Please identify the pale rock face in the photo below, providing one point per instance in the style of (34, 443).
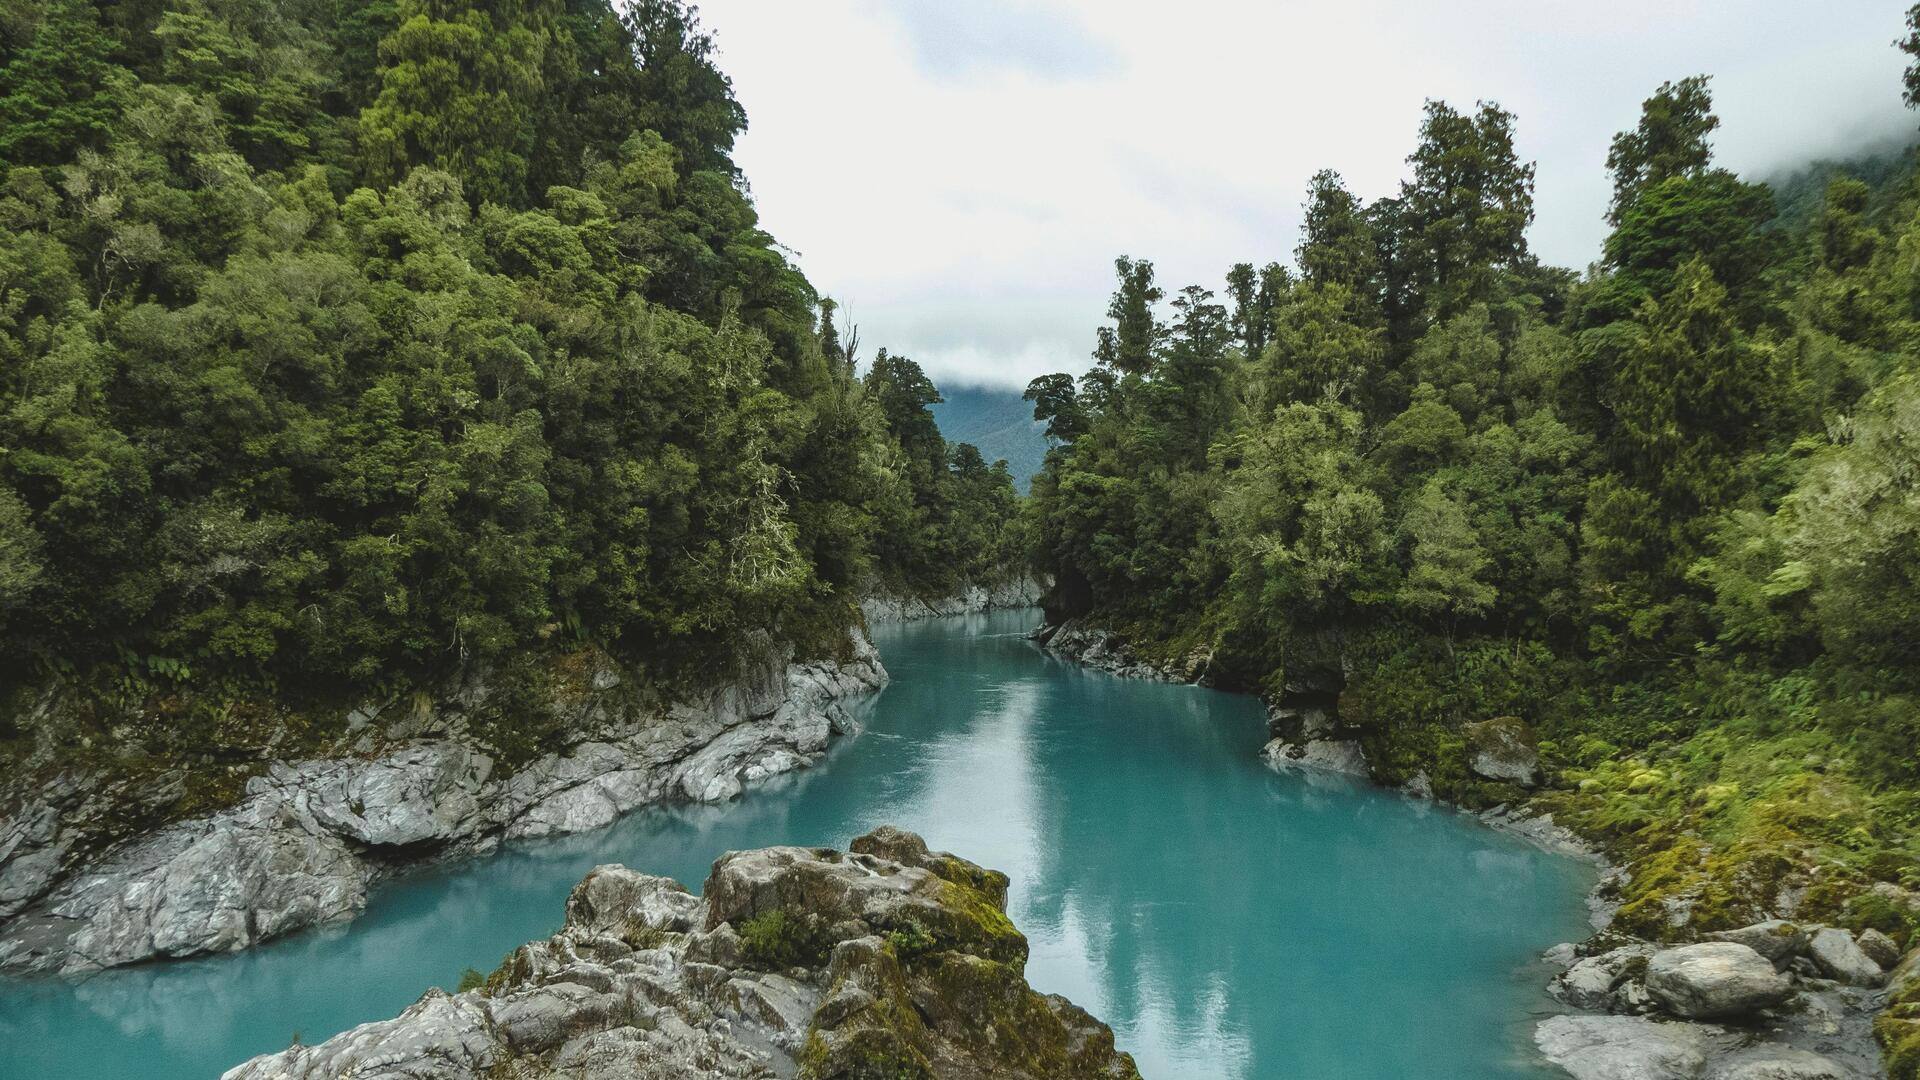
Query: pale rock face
(311, 837)
(1776, 1063)
(1839, 958)
(1320, 755)
(1628, 1047)
(1715, 980)
(1020, 592)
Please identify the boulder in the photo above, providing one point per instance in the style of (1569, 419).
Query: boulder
(1834, 952)
(1715, 980)
(1879, 948)
(1503, 749)
(1776, 939)
(1628, 1047)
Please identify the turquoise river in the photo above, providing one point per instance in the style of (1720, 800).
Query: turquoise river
(1227, 921)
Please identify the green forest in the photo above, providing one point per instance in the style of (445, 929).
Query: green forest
(348, 346)
(1664, 511)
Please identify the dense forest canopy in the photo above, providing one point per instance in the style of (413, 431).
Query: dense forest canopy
(1662, 510)
(346, 345)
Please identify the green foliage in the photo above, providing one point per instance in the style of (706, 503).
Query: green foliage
(1662, 513)
(777, 941)
(346, 349)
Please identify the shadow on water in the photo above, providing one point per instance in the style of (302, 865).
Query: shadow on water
(1227, 921)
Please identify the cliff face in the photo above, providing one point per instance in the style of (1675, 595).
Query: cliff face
(1018, 592)
(309, 837)
(885, 961)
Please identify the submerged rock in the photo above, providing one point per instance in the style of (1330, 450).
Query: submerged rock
(311, 837)
(885, 960)
(1715, 980)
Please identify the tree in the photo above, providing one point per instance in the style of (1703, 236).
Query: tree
(1445, 577)
(1670, 141)
(1057, 405)
(457, 79)
(1468, 204)
(1132, 345)
(60, 90)
(1337, 245)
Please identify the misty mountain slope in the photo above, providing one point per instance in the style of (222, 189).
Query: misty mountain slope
(998, 421)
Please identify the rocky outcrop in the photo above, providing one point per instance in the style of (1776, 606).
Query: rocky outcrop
(1018, 592)
(309, 838)
(1775, 1016)
(1340, 756)
(887, 960)
(1097, 647)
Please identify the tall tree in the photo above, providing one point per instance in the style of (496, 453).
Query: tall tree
(1131, 346)
(1468, 204)
(1670, 140)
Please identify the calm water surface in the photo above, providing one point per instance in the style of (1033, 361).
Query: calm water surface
(1228, 922)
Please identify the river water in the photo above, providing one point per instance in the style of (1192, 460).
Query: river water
(1227, 921)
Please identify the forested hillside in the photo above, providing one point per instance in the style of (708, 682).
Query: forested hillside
(1663, 511)
(346, 346)
(999, 422)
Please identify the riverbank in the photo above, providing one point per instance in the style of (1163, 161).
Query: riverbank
(881, 606)
(1816, 1022)
(887, 959)
(306, 839)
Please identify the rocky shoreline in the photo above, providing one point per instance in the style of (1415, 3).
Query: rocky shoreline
(1018, 592)
(310, 837)
(1808, 1013)
(887, 960)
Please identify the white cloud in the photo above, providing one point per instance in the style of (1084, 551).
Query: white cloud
(962, 175)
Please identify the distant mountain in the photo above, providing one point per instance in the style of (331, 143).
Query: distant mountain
(999, 422)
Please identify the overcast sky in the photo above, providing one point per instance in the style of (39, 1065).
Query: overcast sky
(961, 173)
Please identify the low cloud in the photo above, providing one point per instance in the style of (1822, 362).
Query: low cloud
(958, 40)
(961, 175)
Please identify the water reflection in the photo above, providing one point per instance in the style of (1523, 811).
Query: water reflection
(1227, 921)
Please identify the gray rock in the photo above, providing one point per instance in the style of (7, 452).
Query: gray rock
(1419, 786)
(1628, 1047)
(1776, 939)
(1715, 980)
(1018, 592)
(1834, 952)
(311, 837)
(680, 1002)
(1503, 749)
(1776, 1063)
(1880, 948)
(1596, 981)
(1319, 755)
